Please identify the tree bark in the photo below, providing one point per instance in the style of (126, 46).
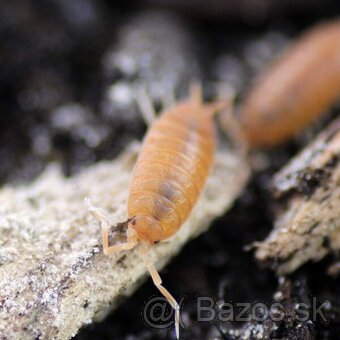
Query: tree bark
(308, 192)
(54, 277)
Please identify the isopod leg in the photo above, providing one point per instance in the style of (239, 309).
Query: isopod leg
(145, 105)
(158, 283)
(109, 250)
(168, 97)
(232, 126)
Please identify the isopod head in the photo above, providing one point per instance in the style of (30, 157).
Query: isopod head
(147, 228)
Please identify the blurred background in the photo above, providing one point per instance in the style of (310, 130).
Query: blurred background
(68, 74)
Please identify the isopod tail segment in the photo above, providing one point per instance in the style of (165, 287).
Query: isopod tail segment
(225, 108)
(148, 112)
(196, 98)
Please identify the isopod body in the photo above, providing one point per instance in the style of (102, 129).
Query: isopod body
(168, 177)
(297, 89)
(171, 169)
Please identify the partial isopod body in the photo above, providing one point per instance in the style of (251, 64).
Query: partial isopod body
(169, 175)
(171, 170)
(296, 90)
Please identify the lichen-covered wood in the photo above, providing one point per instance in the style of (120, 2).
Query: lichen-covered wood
(308, 192)
(53, 275)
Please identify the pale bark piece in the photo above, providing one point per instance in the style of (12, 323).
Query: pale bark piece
(54, 277)
(308, 191)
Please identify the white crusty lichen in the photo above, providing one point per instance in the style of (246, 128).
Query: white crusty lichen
(54, 277)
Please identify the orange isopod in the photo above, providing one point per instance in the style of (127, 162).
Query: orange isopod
(171, 170)
(169, 174)
(300, 87)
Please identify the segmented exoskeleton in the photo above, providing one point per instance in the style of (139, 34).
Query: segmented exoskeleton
(297, 89)
(170, 172)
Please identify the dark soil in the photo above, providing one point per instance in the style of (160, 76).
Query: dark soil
(68, 75)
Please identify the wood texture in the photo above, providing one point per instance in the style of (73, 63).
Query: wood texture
(54, 277)
(308, 190)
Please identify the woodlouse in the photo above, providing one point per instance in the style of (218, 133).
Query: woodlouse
(169, 174)
(296, 90)
(171, 169)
